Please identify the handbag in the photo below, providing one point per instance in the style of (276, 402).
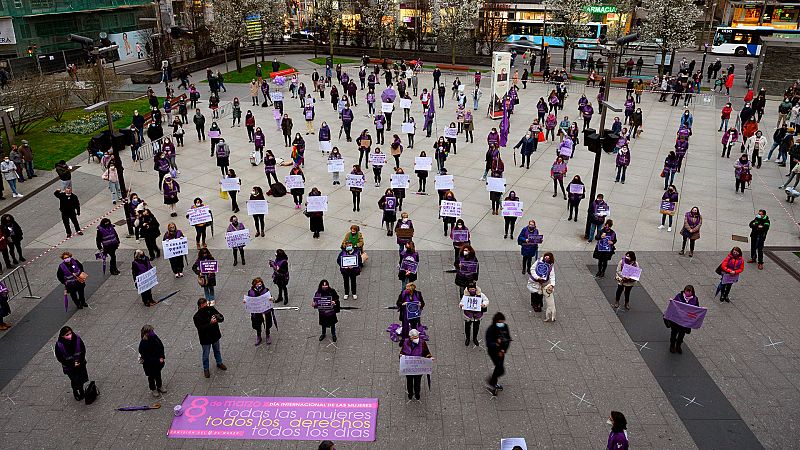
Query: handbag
(718, 270)
(91, 393)
(223, 194)
(663, 173)
(541, 137)
(202, 281)
(364, 257)
(82, 277)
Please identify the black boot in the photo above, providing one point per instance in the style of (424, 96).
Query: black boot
(672, 346)
(475, 327)
(466, 333)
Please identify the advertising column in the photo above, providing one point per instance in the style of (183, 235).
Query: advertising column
(501, 67)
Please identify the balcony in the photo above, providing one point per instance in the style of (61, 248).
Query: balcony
(37, 7)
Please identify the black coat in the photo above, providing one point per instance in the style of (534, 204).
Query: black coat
(68, 205)
(497, 339)
(208, 332)
(151, 351)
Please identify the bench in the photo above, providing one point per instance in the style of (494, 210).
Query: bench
(283, 73)
(380, 61)
(454, 67)
(173, 102)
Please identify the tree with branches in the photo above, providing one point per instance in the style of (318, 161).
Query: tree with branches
(453, 20)
(29, 101)
(229, 27)
(670, 26)
(380, 21)
(570, 24)
(492, 25)
(273, 18)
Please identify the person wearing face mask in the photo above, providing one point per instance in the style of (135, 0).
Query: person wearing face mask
(70, 208)
(315, 218)
(207, 320)
(149, 229)
(557, 172)
(140, 265)
(335, 155)
(176, 262)
(354, 238)
(527, 146)
(324, 134)
(70, 273)
(350, 265)
(677, 332)
(70, 351)
(690, 231)
(759, 227)
(216, 136)
(235, 225)
(356, 191)
(269, 167)
(286, 127)
(223, 153)
(264, 318)
(742, 172)
(467, 269)
(409, 316)
(618, 438)
(669, 204)
(230, 173)
(754, 146)
(399, 192)
(107, 241)
(171, 189)
(409, 262)
(9, 170)
(280, 274)
(404, 230)
(624, 284)
(498, 340)
(605, 247)
(388, 204)
(623, 160)
(207, 280)
(414, 346)
(541, 280)
(729, 271)
(258, 194)
(510, 220)
(598, 212)
(472, 319)
(529, 245)
(574, 198)
(326, 302)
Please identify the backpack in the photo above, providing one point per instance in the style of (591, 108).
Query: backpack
(277, 190)
(91, 393)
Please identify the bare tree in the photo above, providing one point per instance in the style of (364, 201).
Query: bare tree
(273, 18)
(668, 27)
(568, 16)
(229, 27)
(59, 99)
(327, 18)
(380, 21)
(28, 99)
(492, 24)
(88, 89)
(454, 20)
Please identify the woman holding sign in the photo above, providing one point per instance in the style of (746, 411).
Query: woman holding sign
(324, 135)
(542, 280)
(557, 172)
(171, 189)
(409, 261)
(529, 240)
(377, 165)
(467, 269)
(326, 302)
(669, 203)
(677, 332)
(473, 304)
(269, 167)
(315, 223)
(355, 190)
(577, 192)
(335, 155)
(176, 262)
(205, 267)
(729, 269)
(628, 272)
(257, 194)
(508, 216)
(139, 266)
(399, 192)
(388, 204)
(231, 175)
(235, 225)
(364, 142)
(414, 346)
(297, 193)
(409, 306)
(259, 291)
(350, 265)
(440, 150)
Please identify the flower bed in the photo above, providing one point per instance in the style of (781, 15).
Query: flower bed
(86, 124)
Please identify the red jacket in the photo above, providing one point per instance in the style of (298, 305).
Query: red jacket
(733, 266)
(726, 112)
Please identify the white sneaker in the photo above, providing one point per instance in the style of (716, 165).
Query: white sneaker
(154, 393)
(661, 227)
(481, 179)
(669, 228)
(355, 297)
(345, 296)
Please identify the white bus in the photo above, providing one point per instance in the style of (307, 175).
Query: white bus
(741, 41)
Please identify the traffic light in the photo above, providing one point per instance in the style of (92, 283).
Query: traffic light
(30, 51)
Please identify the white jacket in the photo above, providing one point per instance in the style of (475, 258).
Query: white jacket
(750, 145)
(537, 285)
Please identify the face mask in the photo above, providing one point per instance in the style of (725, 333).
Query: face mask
(501, 325)
(349, 248)
(466, 253)
(609, 422)
(235, 222)
(416, 341)
(253, 192)
(404, 219)
(473, 292)
(759, 216)
(259, 286)
(197, 204)
(67, 259)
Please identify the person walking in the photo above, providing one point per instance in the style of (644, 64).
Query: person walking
(207, 320)
(623, 283)
(107, 241)
(206, 279)
(70, 351)
(235, 225)
(677, 332)
(350, 265)
(9, 170)
(176, 262)
(690, 231)
(70, 273)
(280, 274)
(729, 271)
(263, 318)
(414, 346)
(12, 233)
(472, 319)
(759, 227)
(326, 302)
(498, 340)
(151, 357)
(409, 261)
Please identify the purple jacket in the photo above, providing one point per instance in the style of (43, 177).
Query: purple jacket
(617, 440)
(324, 133)
(258, 140)
(380, 120)
(670, 164)
(347, 115)
(140, 266)
(108, 237)
(623, 159)
(239, 226)
(370, 97)
(681, 147)
(596, 218)
(171, 191)
(411, 349)
(587, 111)
(168, 236)
(493, 138)
(629, 105)
(673, 197)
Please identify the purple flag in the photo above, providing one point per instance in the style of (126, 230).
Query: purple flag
(429, 115)
(685, 314)
(66, 302)
(504, 128)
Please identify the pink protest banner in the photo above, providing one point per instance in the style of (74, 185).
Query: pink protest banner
(276, 418)
(685, 315)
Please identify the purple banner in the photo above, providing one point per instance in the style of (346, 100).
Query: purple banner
(469, 267)
(408, 264)
(460, 235)
(685, 315)
(391, 204)
(276, 418)
(209, 266)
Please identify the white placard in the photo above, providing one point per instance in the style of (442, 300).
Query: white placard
(442, 182)
(199, 215)
(423, 163)
(415, 365)
(325, 146)
(317, 203)
(407, 127)
(260, 304)
(511, 209)
(450, 209)
(175, 247)
(355, 181)
(400, 180)
(377, 159)
(496, 184)
(349, 261)
(405, 103)
(335, 165)
(146, 281)
(257, 207)
(230, 184)
(450, 132)
(238, 238)
(387, 107)
(276, 96)
(470, 303)
(294, 182)
(510, 443)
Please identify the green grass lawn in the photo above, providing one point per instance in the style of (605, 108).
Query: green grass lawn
(321, 61)
(49, 148)
(249, 73)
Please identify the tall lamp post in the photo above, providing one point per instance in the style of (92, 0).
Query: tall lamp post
(604, 107)
(97, 53)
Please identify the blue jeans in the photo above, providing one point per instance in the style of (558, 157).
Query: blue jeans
(207, 350)
(208, 293)
(621, 171)
(13, 185)
(593, 228)
(774, 146)
(669, 177)
(29, 168)
(723, 124)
